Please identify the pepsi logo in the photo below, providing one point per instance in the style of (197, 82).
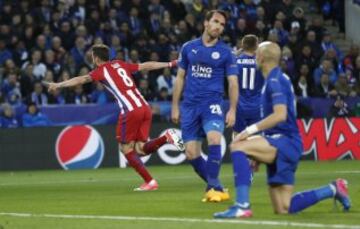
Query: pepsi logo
(79, 147)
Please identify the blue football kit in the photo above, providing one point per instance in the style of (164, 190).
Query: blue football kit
(202, 106)
(285, 136)
(250, 81)
(206, 69)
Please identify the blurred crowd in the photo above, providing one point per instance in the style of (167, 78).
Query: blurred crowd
(49, 40)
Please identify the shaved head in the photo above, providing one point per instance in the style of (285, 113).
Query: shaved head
(268, 53)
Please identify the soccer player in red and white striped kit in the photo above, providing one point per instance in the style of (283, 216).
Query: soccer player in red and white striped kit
(133, 127)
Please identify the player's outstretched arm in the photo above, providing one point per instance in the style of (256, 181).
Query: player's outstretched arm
(279, 115)
(68, 83)
(153, 65)
(178, 88)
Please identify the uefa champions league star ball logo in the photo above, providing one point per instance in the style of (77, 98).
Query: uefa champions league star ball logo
(79, 147)
(215, 55)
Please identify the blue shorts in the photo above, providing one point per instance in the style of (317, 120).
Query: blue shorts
(289, 151)
(197, 120)
(243, 120)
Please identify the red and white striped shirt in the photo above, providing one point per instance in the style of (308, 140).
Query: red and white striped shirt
(116, 77)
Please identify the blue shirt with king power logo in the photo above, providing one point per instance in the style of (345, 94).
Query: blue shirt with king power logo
(278, 90)
(251, 82)
(206, 69)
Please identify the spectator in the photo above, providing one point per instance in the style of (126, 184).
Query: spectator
(38, 97)
(305, 72)
(182, 31)
(325, 89)
(196, 8)
(295, 29)
(317, 26)
(234, 10)
(156, 7)
(154, 24)
(261, 30)
(342, 86)
(177, 10)
(306, 57)
(311, 40)
(10, 88)
(339, 12)
(327, 44)
(39, 68)
(41, 43)
(166, 80)
(302, 87)
(340, 108)
(78, 52)
(42, 14)
(281, 32)
(261, 15)
(8, 119)
(10, 68)
(326, 67)
(20, 53)
(330, 55)
(6, 12)
(51, 63)
(287, 7)
(298, 20)
(79, 10)
(33, 117)
(78, 96)
(5, 53)
(166, 27)
(163, 95)
(56, 97)
(145, 89)
(350, 58)
(29, 36)
(99, 95)
(66, 35)
(135, 22)
(287, 57)
(26, 81)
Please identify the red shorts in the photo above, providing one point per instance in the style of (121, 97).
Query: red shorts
(134, 125)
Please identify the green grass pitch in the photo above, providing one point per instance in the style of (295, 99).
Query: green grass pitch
(104, 198)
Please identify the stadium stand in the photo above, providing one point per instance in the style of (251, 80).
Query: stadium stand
(50, 39)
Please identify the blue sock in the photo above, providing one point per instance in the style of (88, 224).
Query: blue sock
(213, 165)
(242, 176)
(199, 166)
(303, 200)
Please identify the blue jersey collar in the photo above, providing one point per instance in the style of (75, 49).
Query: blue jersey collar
(274, 72)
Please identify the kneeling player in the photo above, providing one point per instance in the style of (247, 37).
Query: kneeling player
(280, 148)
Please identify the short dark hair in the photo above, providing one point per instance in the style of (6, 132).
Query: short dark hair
(101, 51)
(211, 13)
(250, 42)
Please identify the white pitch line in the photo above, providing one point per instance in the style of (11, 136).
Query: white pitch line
(188, 220)
(98, 180)
(102, 180)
